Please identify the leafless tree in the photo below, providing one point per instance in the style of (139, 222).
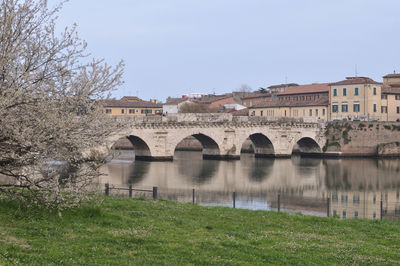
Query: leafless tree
(244, 88)
(50, 106)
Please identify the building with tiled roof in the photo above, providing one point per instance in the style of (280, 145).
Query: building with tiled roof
(356, 98)
(131, 106)
(314, 88)
(310, 100)
(256, 98)
(281, 87)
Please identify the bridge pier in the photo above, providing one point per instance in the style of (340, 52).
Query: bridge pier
(226, 157)
(154, 158)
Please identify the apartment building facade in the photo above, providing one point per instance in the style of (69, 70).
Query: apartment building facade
(355, 98)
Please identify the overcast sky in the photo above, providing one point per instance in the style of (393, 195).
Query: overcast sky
(173, 47)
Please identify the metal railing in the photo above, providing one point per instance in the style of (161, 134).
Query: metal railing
(321, 206)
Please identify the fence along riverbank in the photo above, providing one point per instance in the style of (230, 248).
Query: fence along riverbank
(268, 201)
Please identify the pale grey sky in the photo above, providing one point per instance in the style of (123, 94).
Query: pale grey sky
(173, 47)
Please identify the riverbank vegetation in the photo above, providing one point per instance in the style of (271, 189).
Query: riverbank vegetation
(125, 231)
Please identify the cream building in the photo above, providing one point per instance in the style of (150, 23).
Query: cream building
(355, 98)
(364, 204)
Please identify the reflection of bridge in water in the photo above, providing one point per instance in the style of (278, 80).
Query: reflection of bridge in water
(221, 135)
(303, 183)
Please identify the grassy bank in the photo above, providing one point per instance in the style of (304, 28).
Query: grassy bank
(124, 231)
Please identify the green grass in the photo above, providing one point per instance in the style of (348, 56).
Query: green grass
(125, 231)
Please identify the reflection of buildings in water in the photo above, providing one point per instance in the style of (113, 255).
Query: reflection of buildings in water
(364, 204)
(361, 174)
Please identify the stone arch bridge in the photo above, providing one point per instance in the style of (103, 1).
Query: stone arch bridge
(221, 135)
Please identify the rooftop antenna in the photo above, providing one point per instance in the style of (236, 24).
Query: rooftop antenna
(356, 70)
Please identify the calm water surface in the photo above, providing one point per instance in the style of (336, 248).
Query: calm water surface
(355, 187)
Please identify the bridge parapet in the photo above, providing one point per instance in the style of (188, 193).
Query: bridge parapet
(209, 118)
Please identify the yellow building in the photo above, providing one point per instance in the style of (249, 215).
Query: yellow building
(304, 101)
(355, 98)
(131, 106)
(391, 97)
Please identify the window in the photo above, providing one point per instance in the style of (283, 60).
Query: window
(261, 113)
(384, 96)
(146, 111)
(344, 91)
(122, 111)
(323, 112)
(397, 97)
(374, 215)
(285, 113)
(316, 112)
(356, 107)
(253, 113)
(356, 199)
(334, 197)
(345, 108)
(398, 109)
(356, 214)
(344, 215)
(355, 91)
(374, 107)
(384, 109)
(334, 213)
(374, 199)
(131, 111)
(334, 92)
(310, 112)
(334, 108)
(108, 111)
(374, 91)
(344, 198)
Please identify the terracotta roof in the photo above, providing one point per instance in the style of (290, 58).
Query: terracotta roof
(394, 75)
(131, 98)
(257, 95)
(283, 85)
(130, 104)
(391, 89)
(243, 112)
(355, 80)
(309, 88)
(323, 101)
(207, 99)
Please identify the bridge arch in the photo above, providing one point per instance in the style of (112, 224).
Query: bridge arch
(133, 143)
(307, 146)
(210, 147)
(262, 145)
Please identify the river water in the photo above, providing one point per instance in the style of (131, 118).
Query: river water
(347, 188)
